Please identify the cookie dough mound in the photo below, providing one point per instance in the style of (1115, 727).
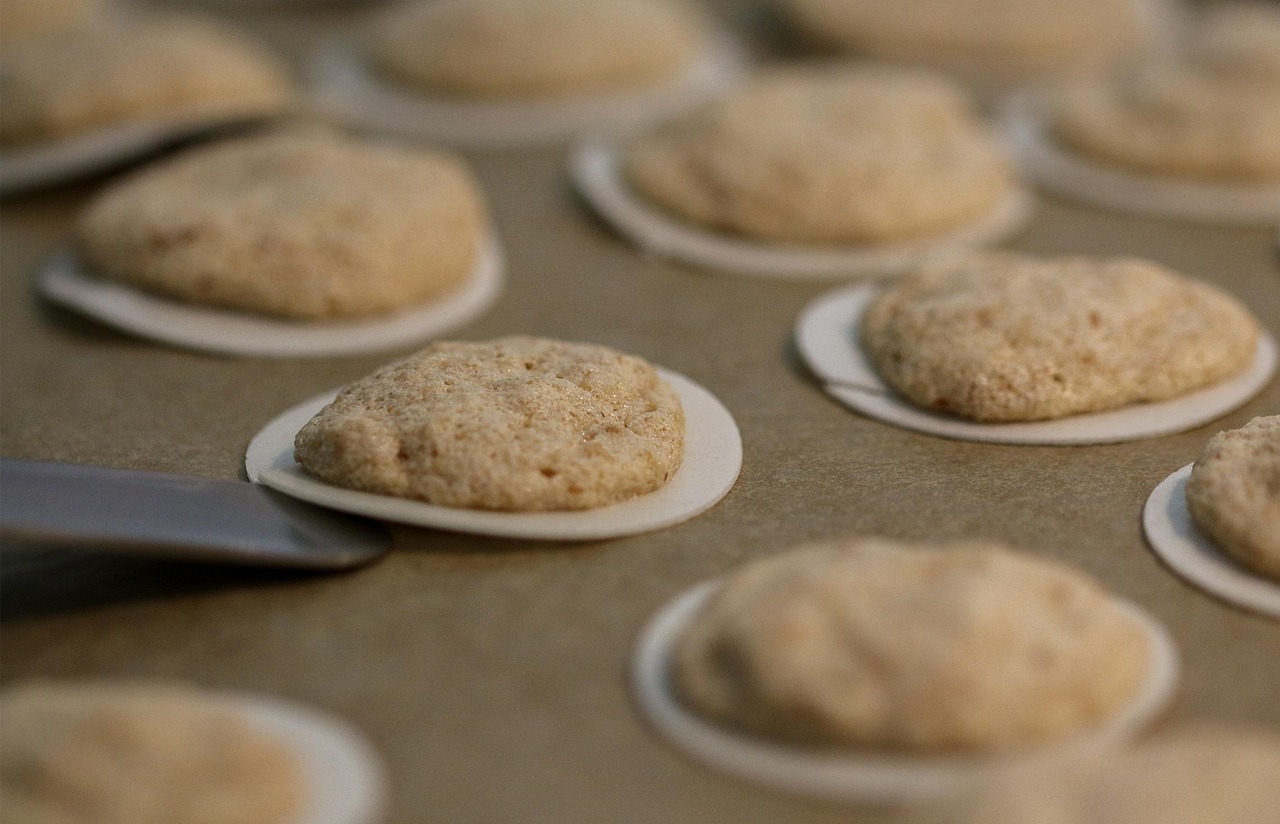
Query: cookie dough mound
(827, 156)
(1197, 775)
(29, 19)
(1005, 337)
(139, 754)
(519, 423)
(93, 78)
(876, 644)
(1002, 36)
(538, 48)
(295, 225)
(1234, 494)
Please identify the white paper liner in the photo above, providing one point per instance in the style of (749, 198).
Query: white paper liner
(712, 460)
(344, 84)
(850, 776)
(1175, 539)
(596, 172)
(23, 169)
(344, 777)
(64, 280)
(1057, 168)
(827, 335)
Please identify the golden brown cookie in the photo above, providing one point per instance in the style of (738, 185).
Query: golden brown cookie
(1234, 494)
(1002, 337)
(22, 20)
(530, 49)
(881, 645)
(295, 225)
(518, 423)
(111, 75)
(830, 155)
(139, 754)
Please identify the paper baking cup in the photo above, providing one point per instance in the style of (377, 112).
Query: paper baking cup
(344, 776)
(345, 85)
(1057, 168)
(1175, 539)
(595, 168)
(712, 460)
(829, 340)
(24, 169)
(64, 280)
(848, 775)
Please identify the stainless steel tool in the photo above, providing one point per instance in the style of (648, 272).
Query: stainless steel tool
(174, 516)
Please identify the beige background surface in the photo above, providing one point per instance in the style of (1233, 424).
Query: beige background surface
(489, 673)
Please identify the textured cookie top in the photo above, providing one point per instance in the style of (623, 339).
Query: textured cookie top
(1234, 494)
(1012, 34)
(306, 225)
(876, 644)
(519, 423)
(827, 155)
(537, 48)
(30, 19)
(139, 754)
(1005, 337)
(91, 78)
(1197, 775)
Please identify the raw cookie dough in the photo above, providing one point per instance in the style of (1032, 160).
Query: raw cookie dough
(876, 644)
(519, 423)
(1001, 36)
(531, 49)
(1234, 494)
(1002, 337)
(104, 76)
(139, 754)
(296, 225)
(829, 155)
(1197, 775)
(30, 19)
(1212, 114)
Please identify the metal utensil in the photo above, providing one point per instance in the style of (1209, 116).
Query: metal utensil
(174, 516)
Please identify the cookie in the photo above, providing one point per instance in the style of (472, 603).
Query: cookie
(1003, 337)
(537, 49)
(880, 645)
(292, 225)
(829, 155)
(1195, 775)
(516, 424)
(31, 19)
(1209, 113)
(95, 78)
(998, 36)
(139, 754)
(1234, 494)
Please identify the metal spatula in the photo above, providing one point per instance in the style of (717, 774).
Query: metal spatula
(175, 516)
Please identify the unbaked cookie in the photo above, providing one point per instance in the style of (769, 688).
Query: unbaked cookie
(30, 19)
(996, 36)
(889, 646)
(1003, 337)
(1234, 494)
(832, 155)
(139, 754)
(94, 78)
(1196, 775)
(295, 225)
(537, 49)
(519, 423)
